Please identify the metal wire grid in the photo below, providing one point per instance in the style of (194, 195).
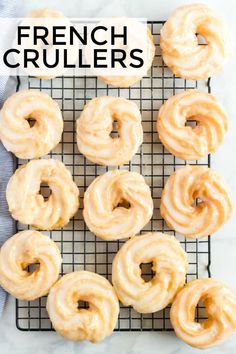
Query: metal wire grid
(81, 249)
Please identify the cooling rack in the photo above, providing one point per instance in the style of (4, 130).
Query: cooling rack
(81, 249)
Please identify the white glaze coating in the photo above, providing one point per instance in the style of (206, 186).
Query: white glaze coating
(169, 262)
(94, 323)
(180, 49)
(96, 123)
(220, 305)
(15, 132)
(104, 213)
(182, 189)
(23, 249)
(186, 142)
(28, 206)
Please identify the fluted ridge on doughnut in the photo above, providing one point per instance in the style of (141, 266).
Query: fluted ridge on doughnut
(15, 132)
(94, 323)
(105, 201)
(95, 125)
(28, 206)
(192, 143)
(180, 48)
(169, 262)
(183, 188)
(220, 304)
(25, 248)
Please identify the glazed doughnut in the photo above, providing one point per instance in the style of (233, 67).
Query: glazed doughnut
(15, 132)
(28, 206)
(48, 19)
(139, 36)
(117, 204)
(21, 250)
(179, 43)
(182, 189)
(191, 143)
(220, 304)
(95, 125)
(169, 264)
(94, 323)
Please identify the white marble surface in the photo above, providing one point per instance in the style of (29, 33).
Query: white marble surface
(223, 267)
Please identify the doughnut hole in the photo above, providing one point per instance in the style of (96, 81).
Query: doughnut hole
(122, 203)
(201, 39)
(197, 200)
(115, 129)
(200, 312)
(191, 123)
(31, 121)
(45, 191)
(81, 304)
(194, 123)
(33, 118)
(31, 267)
(147, 272)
